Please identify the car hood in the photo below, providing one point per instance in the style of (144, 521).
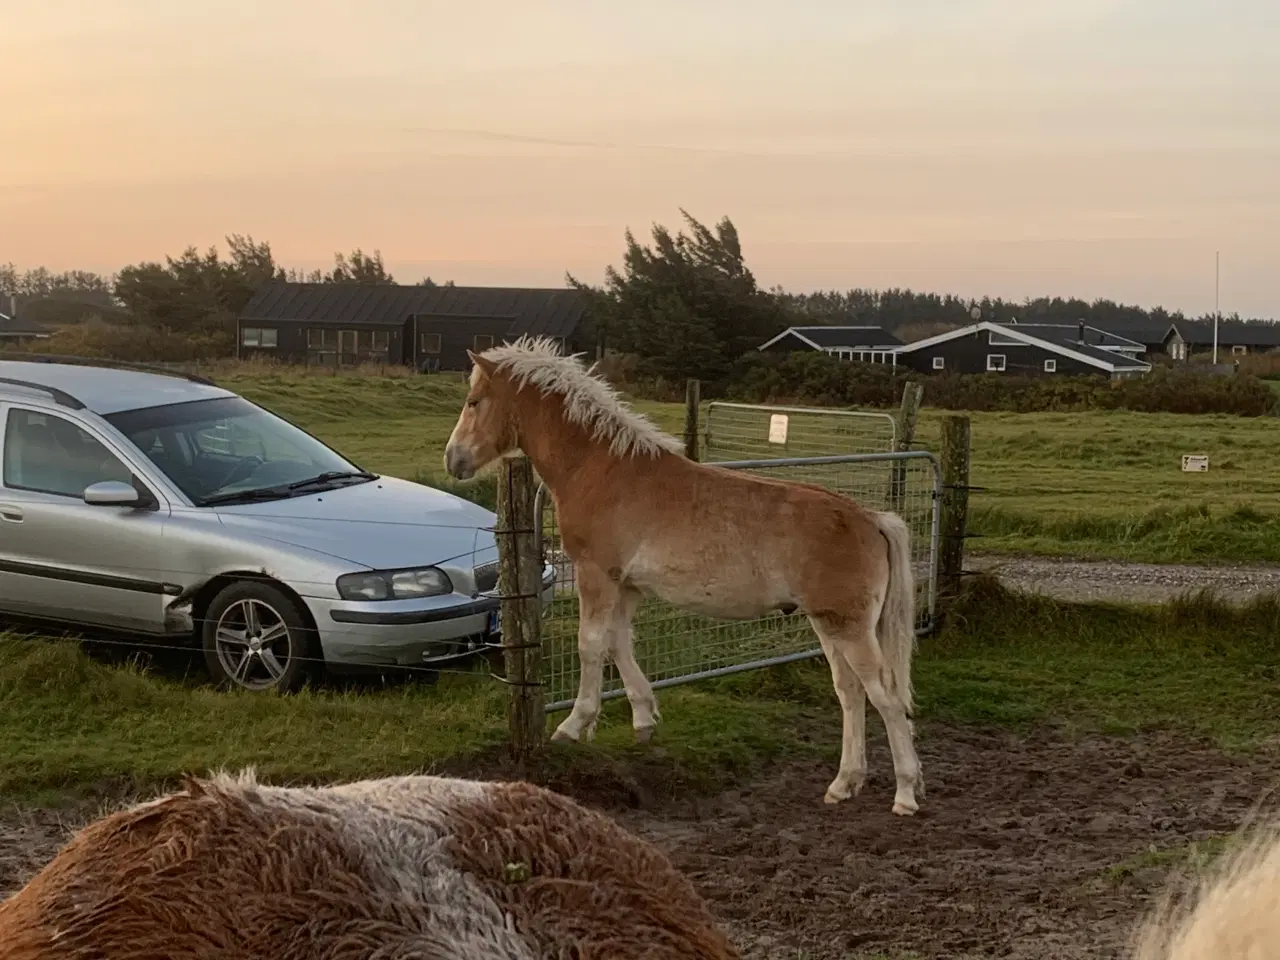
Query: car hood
(384, 524)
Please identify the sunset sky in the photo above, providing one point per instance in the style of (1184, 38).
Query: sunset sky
(1005, 147)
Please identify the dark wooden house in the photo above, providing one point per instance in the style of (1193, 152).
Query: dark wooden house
(16, 329)
(428, 328)
(868, 344)
(1033, 350)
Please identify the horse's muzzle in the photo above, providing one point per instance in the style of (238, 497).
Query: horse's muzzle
(458, 463)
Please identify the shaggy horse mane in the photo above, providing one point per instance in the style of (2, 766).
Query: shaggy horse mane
(589, 401)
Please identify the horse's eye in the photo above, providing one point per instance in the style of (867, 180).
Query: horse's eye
(472, 403)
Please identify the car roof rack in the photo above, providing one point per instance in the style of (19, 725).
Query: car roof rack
(60, 396)
(105, 363)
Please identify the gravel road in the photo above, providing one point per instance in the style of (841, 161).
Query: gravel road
(1082, 580)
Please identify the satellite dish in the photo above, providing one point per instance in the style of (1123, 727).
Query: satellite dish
(976, 313)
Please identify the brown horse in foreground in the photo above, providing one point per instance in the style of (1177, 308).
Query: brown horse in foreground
(438, 869)
(637, 517)
(407, 867)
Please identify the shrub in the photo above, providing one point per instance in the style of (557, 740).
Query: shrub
(818, 379)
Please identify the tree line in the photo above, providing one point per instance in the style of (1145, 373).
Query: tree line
(683, 305)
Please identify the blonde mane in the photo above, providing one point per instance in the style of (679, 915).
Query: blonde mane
(589, 401)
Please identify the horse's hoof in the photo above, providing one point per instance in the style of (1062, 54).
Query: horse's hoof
(560, 736)
(830, 797)
(902, 810)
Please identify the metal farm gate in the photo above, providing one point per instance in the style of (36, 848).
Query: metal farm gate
(674, 647)
(735, 431)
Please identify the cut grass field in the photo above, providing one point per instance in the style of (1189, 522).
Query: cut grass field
(1100, 484)
(73, 723)
(1082, 479)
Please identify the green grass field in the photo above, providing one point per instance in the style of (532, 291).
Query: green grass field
(73, 723)
(1093, 484)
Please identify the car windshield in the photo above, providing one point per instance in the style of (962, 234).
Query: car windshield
(217, 450)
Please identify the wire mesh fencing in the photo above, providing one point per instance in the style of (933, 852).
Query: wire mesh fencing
(674, 647)
(738, 431)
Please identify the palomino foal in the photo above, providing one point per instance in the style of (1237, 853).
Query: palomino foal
(638, 518)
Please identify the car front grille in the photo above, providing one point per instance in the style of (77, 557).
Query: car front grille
(487, 577)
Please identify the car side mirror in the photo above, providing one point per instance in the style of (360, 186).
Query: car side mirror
(112, 493)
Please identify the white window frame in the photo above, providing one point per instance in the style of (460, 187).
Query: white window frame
(261, 338)
(991, 368)
(1239, 350)
(939, 363)
(1051, 366)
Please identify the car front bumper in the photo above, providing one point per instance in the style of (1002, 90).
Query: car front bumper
(435, 631)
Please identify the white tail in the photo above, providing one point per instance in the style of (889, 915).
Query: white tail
(897, 627)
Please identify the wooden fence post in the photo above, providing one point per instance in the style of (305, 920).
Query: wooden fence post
(912, 394)
(955, 502)
(519, 586)
(692, 400)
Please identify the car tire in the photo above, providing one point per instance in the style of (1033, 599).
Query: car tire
(235, 653)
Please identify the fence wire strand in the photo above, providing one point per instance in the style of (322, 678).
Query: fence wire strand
(673, 646)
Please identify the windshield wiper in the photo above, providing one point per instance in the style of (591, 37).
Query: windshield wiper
(246, 496)
(330, 475)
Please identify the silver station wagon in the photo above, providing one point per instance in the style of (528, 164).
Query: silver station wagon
(161, 505)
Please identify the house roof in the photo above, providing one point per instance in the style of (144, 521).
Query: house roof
(822, 336)
(18, 327)
(1230, 333)
(1093, 336)
(1140, 331)
(1055, 339)
(540, 312)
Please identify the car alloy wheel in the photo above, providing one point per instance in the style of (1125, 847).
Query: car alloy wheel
(254, 638)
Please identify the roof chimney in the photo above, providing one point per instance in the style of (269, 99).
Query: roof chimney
(1081, 332)
(13, 305)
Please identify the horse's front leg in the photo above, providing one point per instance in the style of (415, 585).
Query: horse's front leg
(597, 598)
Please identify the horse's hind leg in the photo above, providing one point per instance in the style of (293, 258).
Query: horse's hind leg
(644, 705)
(854, 638)
(853, 741)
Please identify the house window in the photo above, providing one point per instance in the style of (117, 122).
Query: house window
(431, 343)
(372, 346)
(939, 363)
(482, 343)
(322, 347)
(995, 363)
(1051, 366)
(1178, 350)
(1239, 350)
(262, 337)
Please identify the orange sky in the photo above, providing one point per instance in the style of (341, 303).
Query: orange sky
(1009, 147)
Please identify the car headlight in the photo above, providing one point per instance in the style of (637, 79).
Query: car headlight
(394, 584)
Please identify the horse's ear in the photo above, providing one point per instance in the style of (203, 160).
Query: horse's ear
(485, 365)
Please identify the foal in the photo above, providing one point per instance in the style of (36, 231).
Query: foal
(638, 518)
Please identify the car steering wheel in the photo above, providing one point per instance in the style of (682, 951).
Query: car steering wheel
(254, 462)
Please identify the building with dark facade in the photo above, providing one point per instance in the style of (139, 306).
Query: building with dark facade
(1026, 349)
(428, 328)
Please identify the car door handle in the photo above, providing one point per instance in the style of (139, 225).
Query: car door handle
(10, 513)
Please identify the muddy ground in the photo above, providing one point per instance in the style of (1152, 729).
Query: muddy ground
(1035, 848)
(1025, 848)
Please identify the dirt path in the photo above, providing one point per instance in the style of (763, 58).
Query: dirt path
(1078, 580)
(1037, 849)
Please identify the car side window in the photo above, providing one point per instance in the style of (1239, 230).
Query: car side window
(47, 453)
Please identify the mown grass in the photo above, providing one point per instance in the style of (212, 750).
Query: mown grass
(73, 723)
(1104, 484)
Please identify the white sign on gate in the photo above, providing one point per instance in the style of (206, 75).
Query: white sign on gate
(778, 428)
(1194, 463)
